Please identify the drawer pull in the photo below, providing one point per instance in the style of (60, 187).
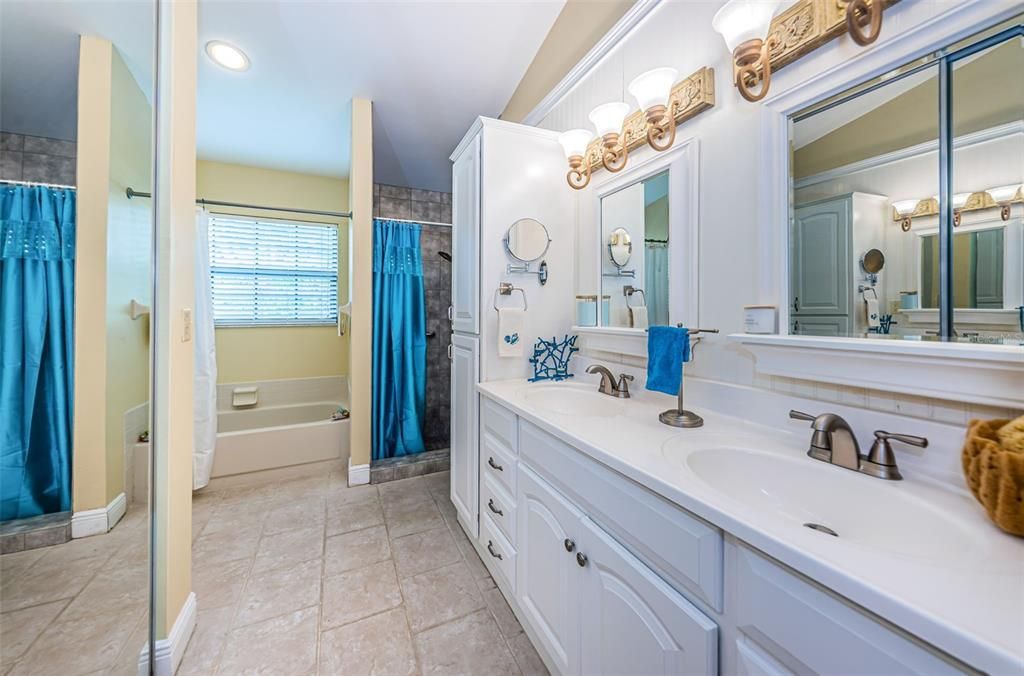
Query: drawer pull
(581, 559)
(490, 461)
(490, 506)
(490, 548)
(569, 545)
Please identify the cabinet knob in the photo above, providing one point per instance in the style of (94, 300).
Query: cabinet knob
(490, 461)
(581, 559)
(490, 548)
(490, 506)
(569, 545)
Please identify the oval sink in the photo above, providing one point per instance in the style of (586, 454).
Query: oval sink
(857, 508)
(574, 401)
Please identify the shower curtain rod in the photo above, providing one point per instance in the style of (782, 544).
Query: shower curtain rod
(216, 203)
(37, 183)
(411, 220)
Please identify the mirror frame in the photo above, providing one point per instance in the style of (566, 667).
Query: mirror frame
(508, 231)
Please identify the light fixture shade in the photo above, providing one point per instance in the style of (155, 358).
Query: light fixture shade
(1003, 193)
(608, 117)
(742, 20)
(575, 141)
(904, 207)
(959, 200)
(653, 87)
(227, 56)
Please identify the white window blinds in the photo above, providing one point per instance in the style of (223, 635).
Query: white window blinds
(267, 272)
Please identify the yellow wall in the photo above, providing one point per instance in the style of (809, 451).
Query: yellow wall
(268, 353)
(361, 273)
(577, 29)
(129, 243)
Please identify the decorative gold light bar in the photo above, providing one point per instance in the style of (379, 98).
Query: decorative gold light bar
(976, 201)
(689, 98)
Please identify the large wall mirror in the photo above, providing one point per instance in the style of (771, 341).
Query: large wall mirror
(866, 176)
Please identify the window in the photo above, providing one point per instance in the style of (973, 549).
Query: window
(271, 272)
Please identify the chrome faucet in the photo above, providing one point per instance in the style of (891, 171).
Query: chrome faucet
(608, 385)
(833, 442)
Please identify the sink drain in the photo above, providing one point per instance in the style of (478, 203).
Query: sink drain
(821, 529)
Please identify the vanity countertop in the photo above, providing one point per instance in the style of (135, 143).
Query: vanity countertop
(955, 581)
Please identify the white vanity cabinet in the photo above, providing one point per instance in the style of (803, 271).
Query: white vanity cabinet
(465, 312)
(465, 476)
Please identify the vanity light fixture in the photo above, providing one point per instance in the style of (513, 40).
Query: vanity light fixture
(227, 56)
(1002, 196)
(745, 25)
(574, 142)
(905, 210)
(959, 200)
(861, 14)
(607, 119)
(652, 90)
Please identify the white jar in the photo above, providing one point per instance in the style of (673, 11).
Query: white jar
(759, 318)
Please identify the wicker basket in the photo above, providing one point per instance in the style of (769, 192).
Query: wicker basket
(993, 459)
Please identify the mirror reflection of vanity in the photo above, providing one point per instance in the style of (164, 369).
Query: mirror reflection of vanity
(866, 174)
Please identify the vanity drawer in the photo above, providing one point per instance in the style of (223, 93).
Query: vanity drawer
(500, 506)
(809, 630)
(499, 554)
(682, 548)
(500, 423)
(497, 462)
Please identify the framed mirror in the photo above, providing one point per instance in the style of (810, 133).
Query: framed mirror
(527, 240)
(620, 247)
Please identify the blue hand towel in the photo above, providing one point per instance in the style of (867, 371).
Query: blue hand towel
(668, 347)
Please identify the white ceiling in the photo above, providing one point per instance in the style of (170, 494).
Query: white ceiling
(429, 67)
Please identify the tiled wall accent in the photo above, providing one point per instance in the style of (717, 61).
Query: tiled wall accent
(37, 159)
(392, 201)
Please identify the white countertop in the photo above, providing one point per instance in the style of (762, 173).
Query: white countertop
(970, 605)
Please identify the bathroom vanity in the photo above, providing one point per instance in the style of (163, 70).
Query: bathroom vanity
(625, 546)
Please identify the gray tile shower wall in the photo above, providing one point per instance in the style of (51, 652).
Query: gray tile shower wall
(426, 205)
(37, 159)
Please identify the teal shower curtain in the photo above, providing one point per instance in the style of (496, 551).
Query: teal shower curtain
(37, 271)
(399, 340)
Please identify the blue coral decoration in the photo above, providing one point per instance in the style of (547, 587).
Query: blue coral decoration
(551, 358)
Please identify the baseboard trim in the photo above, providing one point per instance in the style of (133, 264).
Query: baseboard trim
(100, 520)
(170, 650)
(358, 475)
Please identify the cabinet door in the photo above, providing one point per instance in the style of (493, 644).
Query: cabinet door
(466, 240)
(809, 325)
(465, 475)
(632, 621)
(546, 571)
(819, 263)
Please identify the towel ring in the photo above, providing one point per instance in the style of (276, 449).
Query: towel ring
(629, 291)
(506, 289)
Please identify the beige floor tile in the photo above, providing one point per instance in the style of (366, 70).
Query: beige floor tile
(127, 662)
(502, 613)
(356, 550)
(220, 584)
(406, 518)
(281, 646)
(439, 596)
(472, 559)
(355, 515)
(49, 579)
(217, 548)
(424, 551)
(284, 550)
(403, 491)
(469, 646)
(279, 592)
(11, 565)
(439, 485)
(114, 588)
(19, 628)
(344, 495)
(236, 519)
(360, 593)
(377, 646)
(526, 656)
(78, 647)
(301, 514)
(207, 643)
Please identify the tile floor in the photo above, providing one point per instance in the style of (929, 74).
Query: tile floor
(309, 576)
(304, 576)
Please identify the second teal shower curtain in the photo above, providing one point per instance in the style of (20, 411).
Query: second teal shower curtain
(399, 340)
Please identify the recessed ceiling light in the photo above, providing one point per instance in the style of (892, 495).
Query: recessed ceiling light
(226, 55)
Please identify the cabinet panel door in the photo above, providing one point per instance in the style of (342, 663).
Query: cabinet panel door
(465, 473)
(546, 571)
(633, 622)
(819, 265)
(809, 325)
(466, 240)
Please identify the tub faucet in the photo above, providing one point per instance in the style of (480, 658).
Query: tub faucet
(608, 385)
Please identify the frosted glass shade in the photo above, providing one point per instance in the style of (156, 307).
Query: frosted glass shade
(653, 87)
(608, 117)
(574, 142)
(904, 207)
(1004, 193)
(742, 20)
(959, 199)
